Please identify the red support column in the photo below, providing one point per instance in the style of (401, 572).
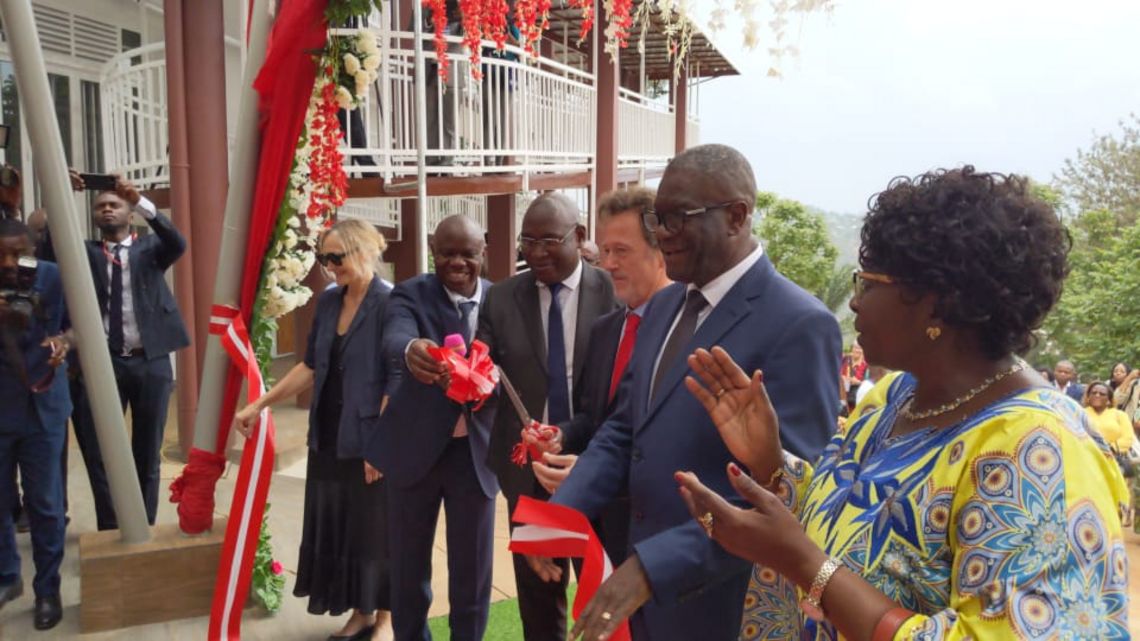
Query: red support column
(404, 254)
(186, 361)
(203, 29)
(680, 86)
(606, 79)
(502, 234)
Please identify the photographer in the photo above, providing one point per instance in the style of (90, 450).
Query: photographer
(33, 422)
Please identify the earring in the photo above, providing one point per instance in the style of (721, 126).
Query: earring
(933, 332)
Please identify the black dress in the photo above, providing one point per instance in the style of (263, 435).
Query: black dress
(344, 542)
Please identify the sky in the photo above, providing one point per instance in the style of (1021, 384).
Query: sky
(888, 87)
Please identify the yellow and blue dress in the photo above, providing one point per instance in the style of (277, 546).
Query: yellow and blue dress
(1004, 526)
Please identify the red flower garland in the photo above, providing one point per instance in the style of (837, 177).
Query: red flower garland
(622, 17)
(587, 7)
(438, 10)
(472, 12)
(495, 21)
(532, 18)
(326, 165)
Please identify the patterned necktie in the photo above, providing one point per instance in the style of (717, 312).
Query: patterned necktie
(558, 390)
(115, 309)
(625, 349)
(465, 309)
(682, 334)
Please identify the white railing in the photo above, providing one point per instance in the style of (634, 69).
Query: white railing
(646, 130)
(521, 116)
(474, 207)
(133, 90)
(692, 132)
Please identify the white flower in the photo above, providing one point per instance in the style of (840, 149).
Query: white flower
(371, 63)
(351, 63)
(362, 81)
(343, 98)
(271, 280)
(366, 43)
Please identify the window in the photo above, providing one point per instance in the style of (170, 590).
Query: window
(10, 108)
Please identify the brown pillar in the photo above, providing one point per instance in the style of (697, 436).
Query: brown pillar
(404, 254)
(606, 78)
(680, 92)
(203, 30)
(502, 232)
(187, 360)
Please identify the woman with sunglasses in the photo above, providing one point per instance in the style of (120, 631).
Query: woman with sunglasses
(976, 502)
(344, 554)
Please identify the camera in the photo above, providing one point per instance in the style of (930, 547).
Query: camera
(17, 289)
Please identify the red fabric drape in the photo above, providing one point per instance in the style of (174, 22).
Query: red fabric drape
(284, 84)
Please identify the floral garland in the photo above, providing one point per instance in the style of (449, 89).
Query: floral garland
(268, 578)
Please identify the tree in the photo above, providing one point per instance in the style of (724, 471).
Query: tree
(796, 242)
(1107, 175)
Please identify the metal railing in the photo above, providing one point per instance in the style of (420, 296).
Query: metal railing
(646, 130)
(133, 97)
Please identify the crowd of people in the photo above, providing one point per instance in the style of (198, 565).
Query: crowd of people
(687, 400)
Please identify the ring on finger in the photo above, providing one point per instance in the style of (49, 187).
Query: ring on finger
(606, 616)
(706, 521)
(720, 393)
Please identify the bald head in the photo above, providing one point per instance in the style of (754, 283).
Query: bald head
(551, 237)
(717, 168)
(458, 250)
(555, 207)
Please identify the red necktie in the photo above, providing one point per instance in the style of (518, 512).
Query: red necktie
(625, 348)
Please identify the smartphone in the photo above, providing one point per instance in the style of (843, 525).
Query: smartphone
(98, 182)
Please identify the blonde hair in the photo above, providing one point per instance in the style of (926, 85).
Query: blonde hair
(363, 243)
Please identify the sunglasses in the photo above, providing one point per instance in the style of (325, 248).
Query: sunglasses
(336, 259)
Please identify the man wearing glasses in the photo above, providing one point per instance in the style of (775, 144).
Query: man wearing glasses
(537, 325)
(677, 583)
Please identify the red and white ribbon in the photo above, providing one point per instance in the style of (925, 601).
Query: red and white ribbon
(558, 531)
(248, 507)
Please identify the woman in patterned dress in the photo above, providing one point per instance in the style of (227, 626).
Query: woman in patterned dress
(975, 501)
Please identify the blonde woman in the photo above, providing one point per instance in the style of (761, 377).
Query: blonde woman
(343, 561)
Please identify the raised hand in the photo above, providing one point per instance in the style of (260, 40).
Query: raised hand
(740, 409)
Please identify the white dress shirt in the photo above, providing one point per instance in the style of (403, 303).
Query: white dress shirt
(568, 299)
(714, 292)
(132, 340)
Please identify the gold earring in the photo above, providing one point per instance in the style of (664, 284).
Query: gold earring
(933, 332)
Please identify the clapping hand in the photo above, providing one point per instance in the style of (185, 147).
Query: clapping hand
(740, 409)
(59, 346)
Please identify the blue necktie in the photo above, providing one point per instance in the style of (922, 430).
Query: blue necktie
(558, 392)
(465, 309)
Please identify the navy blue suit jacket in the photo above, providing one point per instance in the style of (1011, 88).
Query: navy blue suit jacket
(159, 321)
(365, 370)
(594, 401)
(418, 423)
(765, 322)
(53, 405)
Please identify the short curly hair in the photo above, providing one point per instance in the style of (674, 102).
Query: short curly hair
(994, 255)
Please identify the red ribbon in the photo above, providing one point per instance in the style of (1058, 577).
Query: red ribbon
(522, 449)
(248, 506)
(193, 490)
(473, 378)
(557, 531)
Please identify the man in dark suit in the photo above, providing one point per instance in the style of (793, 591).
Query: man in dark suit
(1065, 373)
(630, 254)
(537, 325)
(143, 327)
(432, 449)
(33, 422)
(677, 583)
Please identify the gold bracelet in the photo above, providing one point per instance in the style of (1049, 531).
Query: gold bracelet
(773, 480)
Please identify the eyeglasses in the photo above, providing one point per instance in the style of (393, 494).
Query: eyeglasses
(336, 259)
(859, 280)
(528, 244)
(674, 220)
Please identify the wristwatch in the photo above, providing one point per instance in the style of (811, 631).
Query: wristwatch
(811, 603)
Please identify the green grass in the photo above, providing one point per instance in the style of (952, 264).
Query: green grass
(503, 623)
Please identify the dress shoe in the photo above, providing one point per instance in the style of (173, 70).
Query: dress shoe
(11, 592)
(361, 635)
(48, 612)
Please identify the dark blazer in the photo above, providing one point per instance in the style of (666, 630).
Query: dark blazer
(1076, 391)
(160, 324)
(417, 425)
(361, 358)
(765, 322)
(53, 405)
(510, 322)
(594, 403)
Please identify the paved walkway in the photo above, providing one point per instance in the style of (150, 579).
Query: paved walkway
(293, 622)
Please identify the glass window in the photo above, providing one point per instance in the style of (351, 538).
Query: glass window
(61, 99)
(10, 107)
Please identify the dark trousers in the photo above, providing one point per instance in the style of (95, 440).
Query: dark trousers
(35, 451)
(413, 513)
(84, 425)
(542, 604)
(144, 386)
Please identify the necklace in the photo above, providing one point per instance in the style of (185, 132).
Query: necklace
(911, 415)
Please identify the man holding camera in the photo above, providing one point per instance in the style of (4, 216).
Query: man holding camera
(33, 422)
(143, 327)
